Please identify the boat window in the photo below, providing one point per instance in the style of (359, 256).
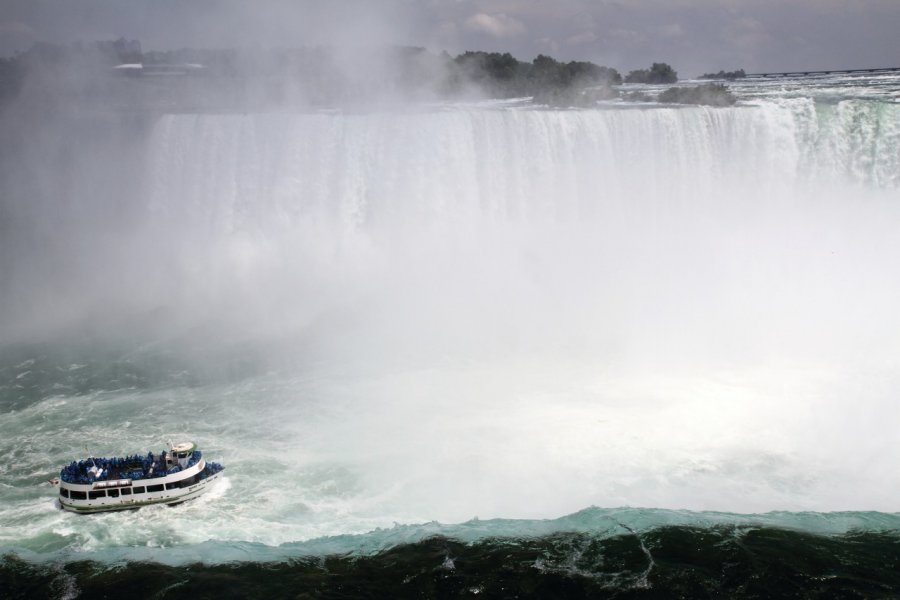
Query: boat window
(173, 486)
(126, 491)
(96, 494)
(64, 492)
(113, 493)
(154, 488)
(139, 489)
(79, 495)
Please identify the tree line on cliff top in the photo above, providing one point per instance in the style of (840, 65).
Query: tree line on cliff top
(317, 76)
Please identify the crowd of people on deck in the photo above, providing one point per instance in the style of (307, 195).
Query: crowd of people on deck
(130, 467)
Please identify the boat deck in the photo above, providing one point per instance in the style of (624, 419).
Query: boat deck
(92, 470)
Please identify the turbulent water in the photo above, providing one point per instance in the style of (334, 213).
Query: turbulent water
(422, 338)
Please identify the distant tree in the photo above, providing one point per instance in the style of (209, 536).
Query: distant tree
(729, 75)
(501, 67)
(587, 73)
(710, 94)
(546, 79)
(576, 83)
(11, 76)
(658, 73)
(497, 74)
(488, 65)
(547, 72)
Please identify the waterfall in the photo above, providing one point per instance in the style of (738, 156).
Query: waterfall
(229, 173)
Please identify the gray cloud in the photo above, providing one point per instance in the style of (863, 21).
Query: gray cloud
(497, 25)
(692, 35)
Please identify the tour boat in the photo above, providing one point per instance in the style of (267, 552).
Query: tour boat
(104, 484)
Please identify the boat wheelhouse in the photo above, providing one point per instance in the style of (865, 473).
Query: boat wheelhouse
(105, 484)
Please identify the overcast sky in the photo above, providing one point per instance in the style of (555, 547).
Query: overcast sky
(694, 36)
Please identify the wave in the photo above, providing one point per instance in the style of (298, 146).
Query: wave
(597, 523)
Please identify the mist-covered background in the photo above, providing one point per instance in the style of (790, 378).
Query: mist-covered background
(696, 35)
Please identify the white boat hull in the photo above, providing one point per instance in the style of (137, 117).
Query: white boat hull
(125, 494)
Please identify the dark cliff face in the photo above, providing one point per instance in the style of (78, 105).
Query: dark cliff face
(663, 563)
(657, 73)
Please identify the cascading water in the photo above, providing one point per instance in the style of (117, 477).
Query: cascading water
(476, 310)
